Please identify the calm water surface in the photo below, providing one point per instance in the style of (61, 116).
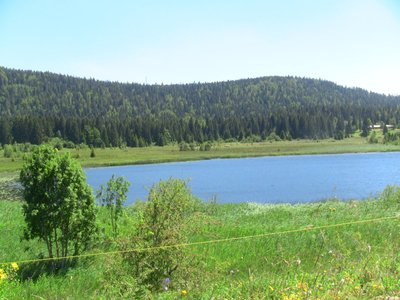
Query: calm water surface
(277, 179)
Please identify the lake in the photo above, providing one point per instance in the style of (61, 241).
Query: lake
(278, 179)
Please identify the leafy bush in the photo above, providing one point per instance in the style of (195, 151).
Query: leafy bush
(8, 151)
(252, 139)
(183, 146)
(162, 220)
(392, 137)
(273, 137)
(206, 146)
(373, 139)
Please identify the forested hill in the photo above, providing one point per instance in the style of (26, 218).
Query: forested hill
(38, 105)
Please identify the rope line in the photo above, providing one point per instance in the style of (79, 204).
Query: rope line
(231, 239)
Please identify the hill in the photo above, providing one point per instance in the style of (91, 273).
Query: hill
(39, 105)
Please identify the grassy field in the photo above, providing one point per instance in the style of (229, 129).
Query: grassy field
(354, 261)
(117, 156)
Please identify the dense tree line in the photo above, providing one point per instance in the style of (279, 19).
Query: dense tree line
(38, 105)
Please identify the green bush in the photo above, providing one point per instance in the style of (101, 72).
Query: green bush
(183, 146)
(273, 137)
(59, 206)
(8, 151)
(373, 139)
(205, 146)
(162, 221)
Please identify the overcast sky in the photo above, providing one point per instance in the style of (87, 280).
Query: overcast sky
(355, 43)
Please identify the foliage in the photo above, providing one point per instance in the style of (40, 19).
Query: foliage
(358, 261)
(8, 151)
(92, 153)
(59, 205)
(60, 143)
(113, 197)
(162, 220)
(184, 146)
(205, 146)
(273, 137)
(392, 137)
(111, 114)
(373, 139)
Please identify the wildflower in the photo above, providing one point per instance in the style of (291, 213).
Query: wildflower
(3, 274)
(302, 286)
(184, 293)
(291, 297)
(166, 283)
(377, 286)
(271, 288)
(15, 266)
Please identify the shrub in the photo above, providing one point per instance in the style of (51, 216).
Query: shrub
(205, 146)
(8, 151)
(273, 137)
(183, 146)
(373, 139)
(163, 217)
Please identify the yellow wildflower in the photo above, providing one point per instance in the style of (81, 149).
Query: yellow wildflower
(291, 297)
(184, 293)
(377, 286)
(15, 266)
(302, 286)
(271, 288)
(3, 274)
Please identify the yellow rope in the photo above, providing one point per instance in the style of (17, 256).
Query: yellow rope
(262, 235)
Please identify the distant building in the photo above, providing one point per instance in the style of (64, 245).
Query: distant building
(376, 126)
(380, 126)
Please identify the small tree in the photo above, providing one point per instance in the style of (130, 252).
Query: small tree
(113, 197)
(59, 207)
(92, 153)
(385, 129)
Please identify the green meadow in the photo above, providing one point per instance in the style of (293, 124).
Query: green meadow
(301, 256)
(155, 154)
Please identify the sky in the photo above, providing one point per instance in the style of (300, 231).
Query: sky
(355, 43)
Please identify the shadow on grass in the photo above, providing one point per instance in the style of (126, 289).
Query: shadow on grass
(32, 271)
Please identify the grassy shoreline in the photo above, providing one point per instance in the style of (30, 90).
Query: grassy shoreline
(149, 155)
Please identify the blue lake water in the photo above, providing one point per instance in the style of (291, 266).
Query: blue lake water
(279, 179)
